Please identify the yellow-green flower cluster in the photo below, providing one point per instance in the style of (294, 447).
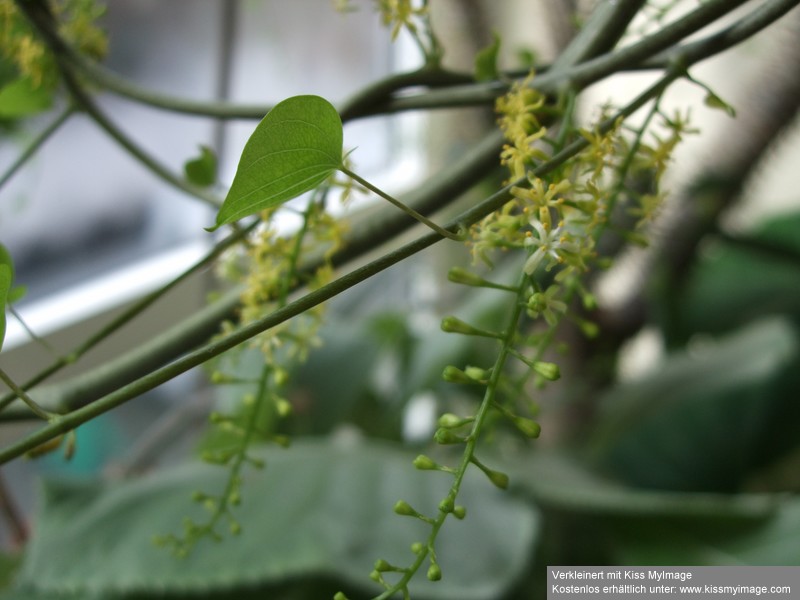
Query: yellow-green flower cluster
(401, 14)
(273, 270)
(558, 219)
(520, 125)
(77, 23)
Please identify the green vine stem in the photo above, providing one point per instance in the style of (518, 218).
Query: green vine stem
(39, 17)
(20, 393)
(690, 53)
(215, 348)
(366, 235)
(36, 143)
(468, 456)
(127, 316)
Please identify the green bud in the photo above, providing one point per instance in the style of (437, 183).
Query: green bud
(528, 427)
(445, 436)
(234, 498)
(434, 572)
(339, 596)
(382, 566)
(497, 478)
(456, 325)
(283, 407)
(417, 547)
(376, 576)
(537, 302)
(450, 421)
(548, 370)
(446, 505)
(235, 528)
(423, 463)
(403, 508)
(464, 277)
(459, 512)
(280, 376)
(589, 301)
(218, 378)
(455, 375)
(477, 374)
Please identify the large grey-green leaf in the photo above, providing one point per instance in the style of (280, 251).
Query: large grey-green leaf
(707, 422)
(775, 541)
(293, 150)
(561, 482)
(317, 509)
(734, 284)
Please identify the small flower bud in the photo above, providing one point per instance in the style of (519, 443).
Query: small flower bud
(339, 596)
(450, 421)
(537, 302)
(455, 375)
(382, 566)
(235, 528)
(217, 377)
(459, 512)
(283, 407)
(528, 427)
(424, 463)
(417, 547)
(477, 374)
(375, 576)
(403, 508)
(434, 572)
(445, 436)
(280, 376)
(548, 370)
(589, 301)
(456, 325)
(497, 478)
(446, 505)
(465, 277)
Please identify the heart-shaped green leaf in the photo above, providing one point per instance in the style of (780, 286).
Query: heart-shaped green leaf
(320, 510)
(202, 170)
(22, 98)
(293, 150)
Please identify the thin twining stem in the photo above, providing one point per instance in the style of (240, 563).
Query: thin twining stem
(406, 209)
(199, 356)
(128, 315)
(36, 143)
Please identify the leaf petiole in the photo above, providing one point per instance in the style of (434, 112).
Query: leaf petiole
(405, 208)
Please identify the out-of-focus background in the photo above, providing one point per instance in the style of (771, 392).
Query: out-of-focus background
(91, 230)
